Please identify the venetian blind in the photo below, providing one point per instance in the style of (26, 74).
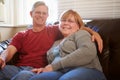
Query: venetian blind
(92, 9)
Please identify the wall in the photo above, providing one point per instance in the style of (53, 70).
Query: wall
(6, 32)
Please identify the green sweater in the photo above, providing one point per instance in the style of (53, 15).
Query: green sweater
(76, 50)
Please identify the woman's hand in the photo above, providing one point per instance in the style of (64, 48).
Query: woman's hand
(48, 68)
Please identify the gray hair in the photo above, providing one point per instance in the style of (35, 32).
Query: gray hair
(38, 3)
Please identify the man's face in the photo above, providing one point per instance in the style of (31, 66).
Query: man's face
(39, 15)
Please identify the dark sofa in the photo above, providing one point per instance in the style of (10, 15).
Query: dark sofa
(109, 29)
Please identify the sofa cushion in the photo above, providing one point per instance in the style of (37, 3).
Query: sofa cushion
(109, 30)
(3, 46)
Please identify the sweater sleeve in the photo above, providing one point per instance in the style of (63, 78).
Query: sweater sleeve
(83, 55)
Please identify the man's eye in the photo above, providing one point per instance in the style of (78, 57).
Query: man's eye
(44, 13)
(63, 20)
(37, 12)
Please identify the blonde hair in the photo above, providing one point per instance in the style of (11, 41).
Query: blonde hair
(77, 17)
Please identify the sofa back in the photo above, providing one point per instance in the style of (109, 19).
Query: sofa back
(109, 29)
(7, 32)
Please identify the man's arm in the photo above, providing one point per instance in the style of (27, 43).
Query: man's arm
(95, 37)
(7, 55)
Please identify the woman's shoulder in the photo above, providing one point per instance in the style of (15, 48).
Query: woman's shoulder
(57, 42)
(81, 33)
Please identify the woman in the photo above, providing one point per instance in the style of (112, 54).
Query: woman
(74, 57)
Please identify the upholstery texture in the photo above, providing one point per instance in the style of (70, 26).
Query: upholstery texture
(109, 29)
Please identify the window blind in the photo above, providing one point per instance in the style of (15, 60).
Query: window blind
(92, 9)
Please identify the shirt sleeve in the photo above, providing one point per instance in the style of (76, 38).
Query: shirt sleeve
(57, 33)
(17, 40)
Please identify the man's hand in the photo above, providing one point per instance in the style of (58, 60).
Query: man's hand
(40, 70)
(37, 70)
(2, 63)
(96, 37)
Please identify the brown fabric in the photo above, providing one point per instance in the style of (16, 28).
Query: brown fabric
(110, 57)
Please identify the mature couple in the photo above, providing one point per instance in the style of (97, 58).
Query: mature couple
(51, 52)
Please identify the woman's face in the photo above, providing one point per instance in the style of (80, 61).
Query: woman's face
(68, 26)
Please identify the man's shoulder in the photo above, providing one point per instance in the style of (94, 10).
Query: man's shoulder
(23, 32)
(52, 26)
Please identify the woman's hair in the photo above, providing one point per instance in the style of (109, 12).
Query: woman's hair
(38, 3)
(77, 17)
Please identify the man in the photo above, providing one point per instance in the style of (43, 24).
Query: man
(32, 44)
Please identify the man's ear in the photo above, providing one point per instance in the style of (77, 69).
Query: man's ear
(31, 13)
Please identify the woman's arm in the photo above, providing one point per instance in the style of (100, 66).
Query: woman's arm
(82, 55)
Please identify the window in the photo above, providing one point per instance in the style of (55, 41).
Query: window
(24, 7)
(16, 12)
(2, 12)
(6, 12)
(92, 9)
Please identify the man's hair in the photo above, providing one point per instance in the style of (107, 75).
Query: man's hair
(39, 3)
